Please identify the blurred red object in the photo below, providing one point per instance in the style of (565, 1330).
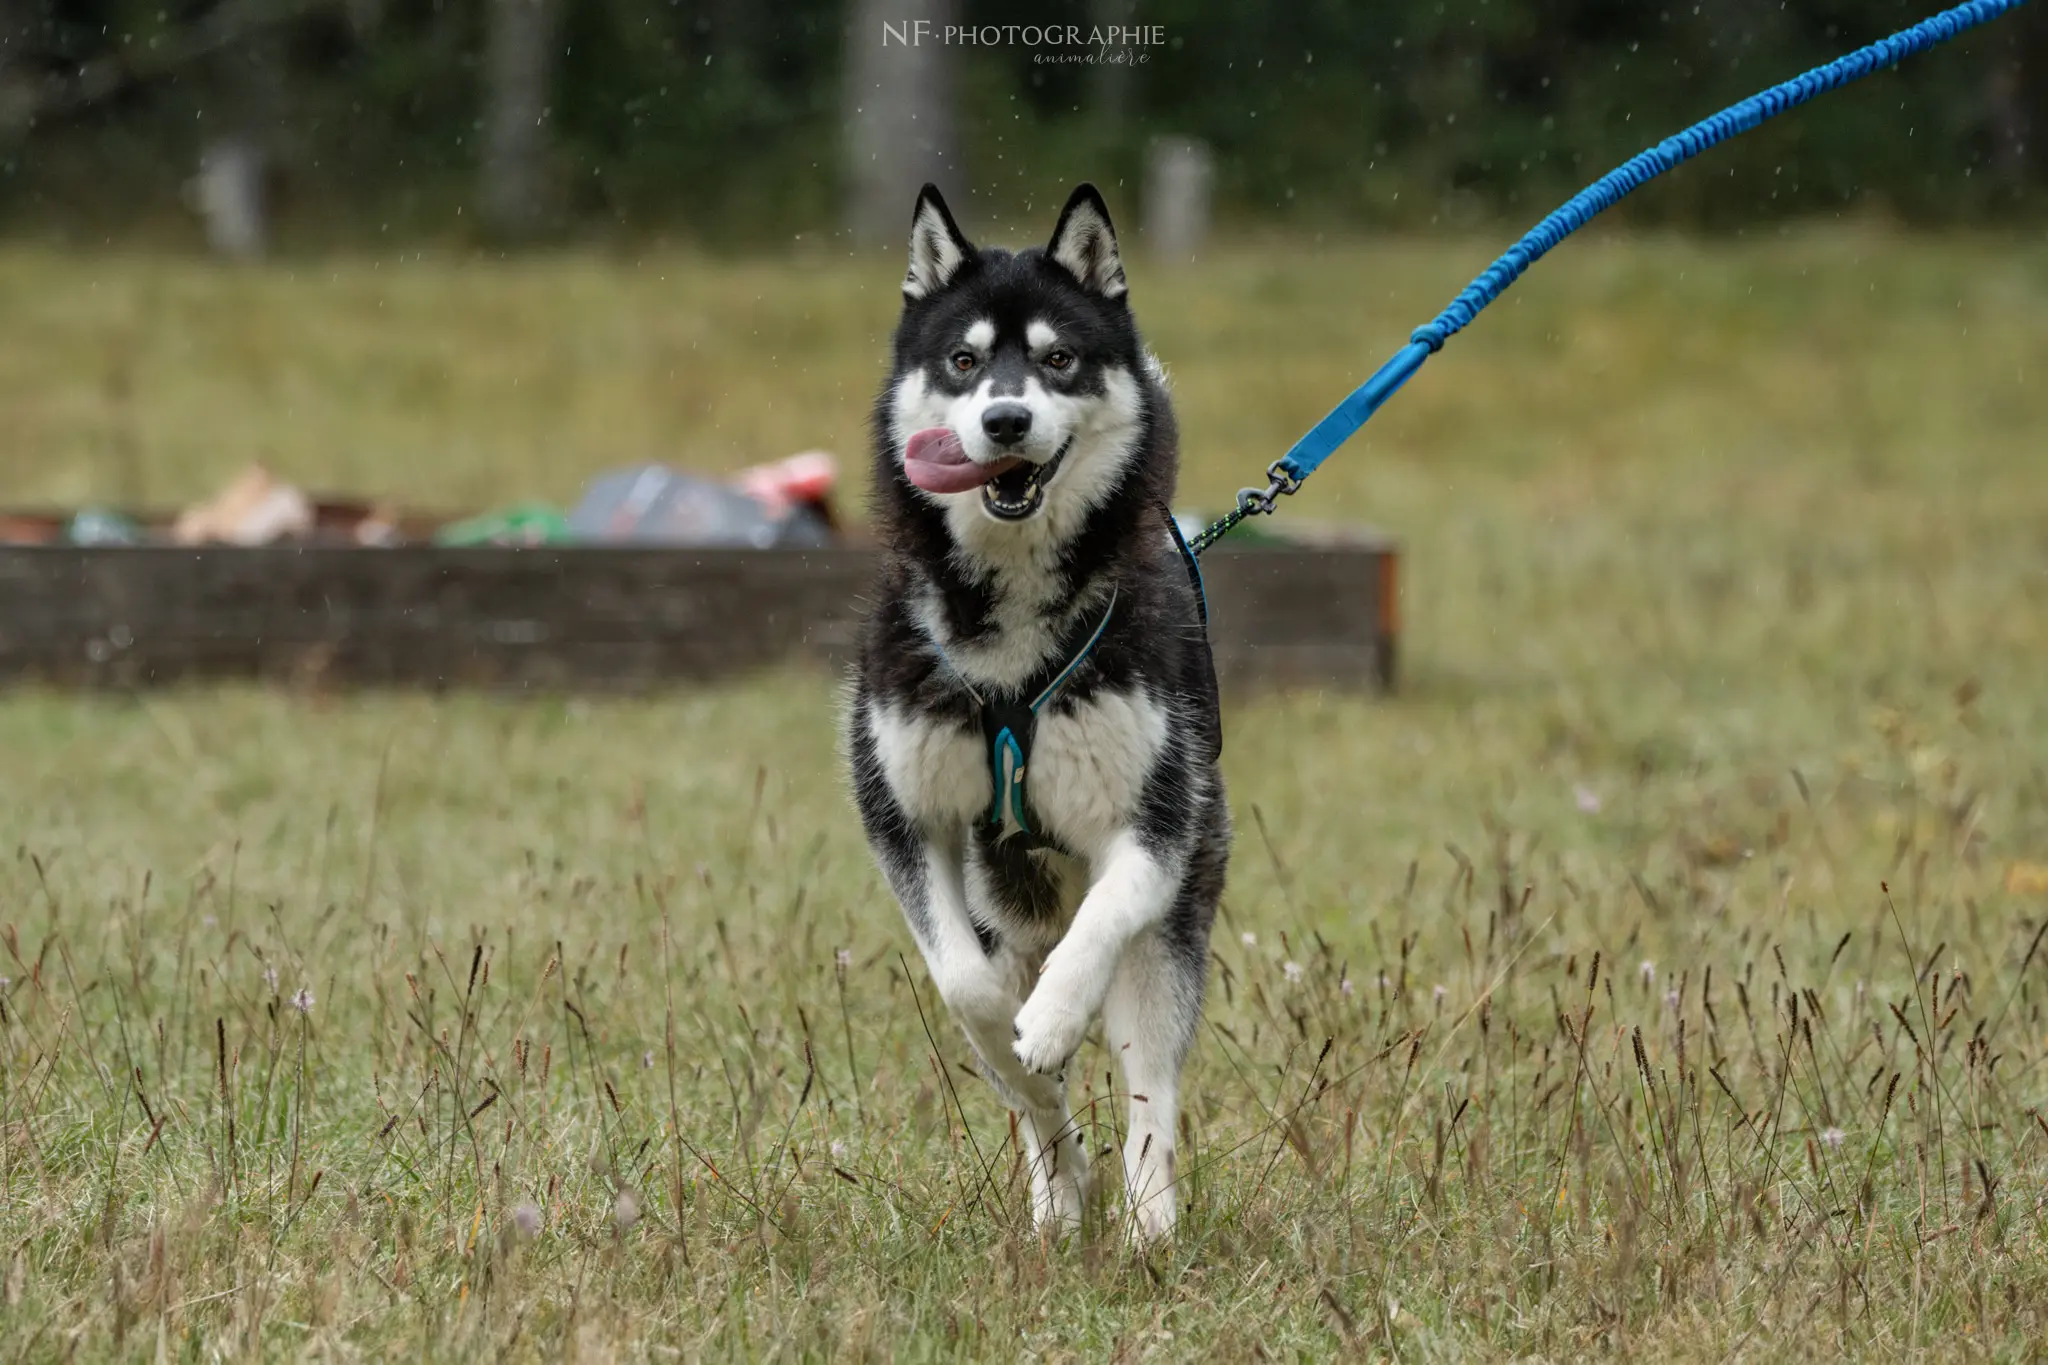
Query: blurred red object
(28, 528)
(806, 479)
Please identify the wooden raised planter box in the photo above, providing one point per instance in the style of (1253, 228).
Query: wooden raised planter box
(586, 618)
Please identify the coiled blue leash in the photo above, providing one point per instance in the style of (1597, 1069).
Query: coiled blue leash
(1287, 473)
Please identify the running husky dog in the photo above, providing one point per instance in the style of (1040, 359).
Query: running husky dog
(1033, 726)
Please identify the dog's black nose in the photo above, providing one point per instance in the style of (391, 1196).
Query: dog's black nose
(1006, 423)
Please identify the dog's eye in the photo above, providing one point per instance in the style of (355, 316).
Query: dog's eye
(963, 361)
(1058, 360)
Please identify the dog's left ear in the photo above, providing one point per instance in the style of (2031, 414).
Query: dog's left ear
(1085, 243)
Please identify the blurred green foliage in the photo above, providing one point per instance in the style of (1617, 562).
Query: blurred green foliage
(721, 119)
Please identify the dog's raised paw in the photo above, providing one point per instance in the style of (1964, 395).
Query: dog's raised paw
(1049, 1030)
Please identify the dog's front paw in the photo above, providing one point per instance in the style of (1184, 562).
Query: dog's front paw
(1149, 1190)
(1151, 1222)
(1049, 1029)
(1059, 1188)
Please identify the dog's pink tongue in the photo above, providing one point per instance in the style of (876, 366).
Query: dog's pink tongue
(935, 461)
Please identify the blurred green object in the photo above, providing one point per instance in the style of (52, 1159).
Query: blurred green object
(97, 526)
(529, 523)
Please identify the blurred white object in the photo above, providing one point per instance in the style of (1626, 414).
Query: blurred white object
(379, 529)
(255, 509)
(1180, 182)
(227, 194)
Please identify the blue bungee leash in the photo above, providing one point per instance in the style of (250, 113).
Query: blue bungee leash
(1287, 473)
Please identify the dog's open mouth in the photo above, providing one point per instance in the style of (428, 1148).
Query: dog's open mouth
(1011, 489)
(1019, 491)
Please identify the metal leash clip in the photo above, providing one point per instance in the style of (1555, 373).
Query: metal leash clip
(1259, 501)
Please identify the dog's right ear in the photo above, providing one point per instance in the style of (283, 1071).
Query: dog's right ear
(937, 247)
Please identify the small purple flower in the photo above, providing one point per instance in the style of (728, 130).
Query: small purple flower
(303, 1001)
(1648, 971)
(1250, 939)
(843, 959)
(527, 1218)
(1291, 970)
(1588, 800)
(1833, 1137)
(270, 979)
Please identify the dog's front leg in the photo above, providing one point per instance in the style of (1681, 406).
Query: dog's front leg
(1134, 885)
(983, 993)
(925, 863)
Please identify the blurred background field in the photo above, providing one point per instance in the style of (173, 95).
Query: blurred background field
(460, 1025)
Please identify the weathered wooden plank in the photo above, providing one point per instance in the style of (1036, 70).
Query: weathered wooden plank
(583, 618)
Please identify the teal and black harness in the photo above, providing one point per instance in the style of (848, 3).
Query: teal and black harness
(1010, 724)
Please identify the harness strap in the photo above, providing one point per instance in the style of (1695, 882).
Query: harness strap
(1188, 557)
(1010, 726)
(1194, 567)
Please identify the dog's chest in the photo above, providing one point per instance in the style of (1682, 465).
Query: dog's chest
(1084, 777)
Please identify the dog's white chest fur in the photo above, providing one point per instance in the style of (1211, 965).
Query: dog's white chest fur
(1087, 767)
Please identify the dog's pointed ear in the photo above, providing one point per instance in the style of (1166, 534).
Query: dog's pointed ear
(1085, 243)
(937, 247)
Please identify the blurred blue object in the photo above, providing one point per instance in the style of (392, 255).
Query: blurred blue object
(97, 526)
(656, 505)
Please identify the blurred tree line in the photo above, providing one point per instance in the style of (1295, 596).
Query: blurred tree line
(739, 121)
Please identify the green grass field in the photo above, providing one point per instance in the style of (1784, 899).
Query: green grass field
(1655, 975)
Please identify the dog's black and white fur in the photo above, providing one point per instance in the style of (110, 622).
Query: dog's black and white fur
(1106, 906)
